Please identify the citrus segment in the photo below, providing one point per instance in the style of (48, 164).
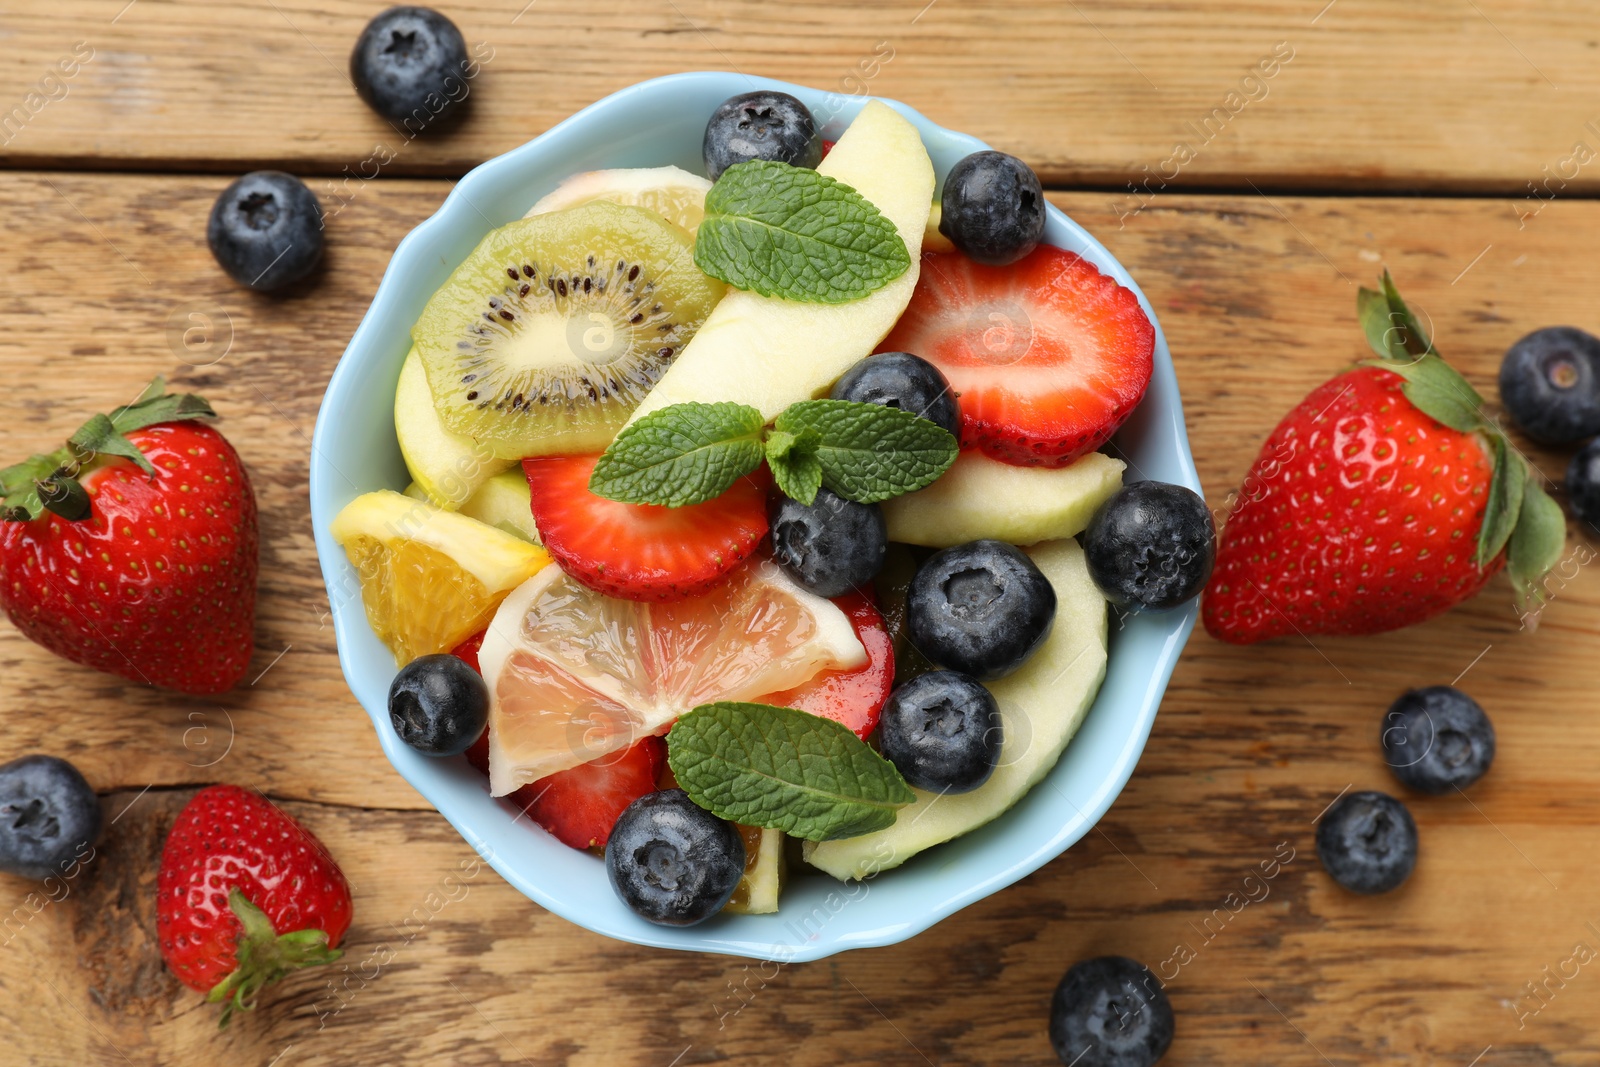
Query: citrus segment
(574, 674)
(429, 578)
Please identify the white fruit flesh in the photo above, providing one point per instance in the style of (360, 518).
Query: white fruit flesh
(982, 497)
(671, 192)
(503, 502)
(1041, 707)
(446, 466)
(768, 352)
(764, 878)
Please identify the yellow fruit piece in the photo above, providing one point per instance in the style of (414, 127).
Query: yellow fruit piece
(671, 192)
(574, 674)
(505, 503)
(446, 466)
(981, 497)
(429, 578)
(932, 239)
(757, 891)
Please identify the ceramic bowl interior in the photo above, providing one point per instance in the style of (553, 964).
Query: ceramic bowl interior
(355, 451)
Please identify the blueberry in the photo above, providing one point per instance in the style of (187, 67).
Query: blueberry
(1151, 546)
(672, 862)
(760, 125)
(980, 608)
(1583, 484)
(831, 545)
(942, 732)
(1367, 842)
(1550, 384)
(1110, 1012)
(266, 230)
(901, 380)
(410, 66)
(1437, 739)
(438, 705)
(49, 817)
(992, 208)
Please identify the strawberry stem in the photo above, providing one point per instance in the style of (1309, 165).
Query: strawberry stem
(49, 482)
(263, 956)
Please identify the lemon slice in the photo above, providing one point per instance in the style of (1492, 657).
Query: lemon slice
(429, 578)
(574, 674)
(671, 192)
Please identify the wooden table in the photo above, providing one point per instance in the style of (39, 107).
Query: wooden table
(1455, 141)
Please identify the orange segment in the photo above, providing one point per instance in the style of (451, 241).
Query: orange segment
(574, 674)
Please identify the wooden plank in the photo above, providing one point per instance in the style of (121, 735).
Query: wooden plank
(1363, 94)
(1256, 296)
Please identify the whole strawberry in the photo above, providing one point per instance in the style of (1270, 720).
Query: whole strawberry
(133, 549)
(245, 894)
(1383, 499)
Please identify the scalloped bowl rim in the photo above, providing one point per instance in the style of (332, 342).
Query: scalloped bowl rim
(831, 916)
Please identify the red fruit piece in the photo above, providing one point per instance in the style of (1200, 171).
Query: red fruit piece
(467, 652)
(854, 697)
(641, 551)
(827, 146)
(1361, 514)
(581, 805)
(157, 581)
(1048, 356)
(244, 895)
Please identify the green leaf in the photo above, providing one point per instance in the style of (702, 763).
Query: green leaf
(790, 232)
(679, 455)
(871, 452)
(789, 770)
(794, 463)
(1413, 338)
(1435, 389)
(1536, 544)
(100, 436)
(1392, 330)
(1504, 505)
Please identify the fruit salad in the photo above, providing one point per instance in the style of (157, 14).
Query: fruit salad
(745, 517)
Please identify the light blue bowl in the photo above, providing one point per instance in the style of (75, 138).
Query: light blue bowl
(354, 451)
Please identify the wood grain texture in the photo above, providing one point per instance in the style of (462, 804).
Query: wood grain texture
(1256, 297)
(1430, 94)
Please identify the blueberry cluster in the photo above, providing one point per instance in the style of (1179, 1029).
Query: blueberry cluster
(1550, 386)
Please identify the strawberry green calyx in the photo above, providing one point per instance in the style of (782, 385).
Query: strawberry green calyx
(49, 482)
(1519, 516)
(264, 956)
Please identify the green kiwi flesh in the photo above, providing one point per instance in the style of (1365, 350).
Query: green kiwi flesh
(556, 326)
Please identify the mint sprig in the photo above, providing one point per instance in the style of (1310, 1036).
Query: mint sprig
(871, 452)
(790, 232)
(683, 454)
(793, 461)
(1519, 516)
(689, 453)
(785, 769)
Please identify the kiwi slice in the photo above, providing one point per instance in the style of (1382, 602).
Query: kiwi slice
(556, 326)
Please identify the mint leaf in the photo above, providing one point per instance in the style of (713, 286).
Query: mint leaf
(871, 452)
(679, 455)
(793, 233)
(789, 770)
(794, 464)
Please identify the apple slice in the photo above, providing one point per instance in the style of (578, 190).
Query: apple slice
(768, 352)
(982, 497)
(448, 467)
(1041, 707)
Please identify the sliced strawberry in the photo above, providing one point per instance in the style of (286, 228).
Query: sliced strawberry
(641, 551)
(827, 146)
(467, 652)
(1047, 355)
(853, 697)
(581, 806)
